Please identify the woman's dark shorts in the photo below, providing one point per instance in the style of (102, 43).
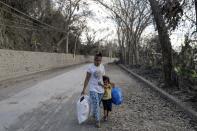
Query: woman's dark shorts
(107, 104)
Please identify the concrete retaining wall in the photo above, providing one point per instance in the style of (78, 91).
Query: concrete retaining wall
(19, 63)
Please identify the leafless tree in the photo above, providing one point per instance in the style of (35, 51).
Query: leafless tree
(132, 17)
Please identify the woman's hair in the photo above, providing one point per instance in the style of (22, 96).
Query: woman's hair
(98, 54)
(106, 78)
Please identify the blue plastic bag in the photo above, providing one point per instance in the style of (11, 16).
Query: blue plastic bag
(117, 97)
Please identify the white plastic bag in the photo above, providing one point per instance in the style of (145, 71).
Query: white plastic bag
(83, 108)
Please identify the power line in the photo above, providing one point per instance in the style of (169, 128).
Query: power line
(5, 20)
(21, 18)
(29, 16)
(22, 24)
(27, 20)
(18, 27)
(24, 28)
(24, 13)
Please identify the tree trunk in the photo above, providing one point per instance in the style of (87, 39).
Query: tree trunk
(129, 53)
(122, 55)
(135, 53)
(164, 41)
(196, 13)
(67, 40)
(66, 37)
(121, 46)
(75, 47)
(60, 41)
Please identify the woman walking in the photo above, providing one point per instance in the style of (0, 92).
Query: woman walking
(93, 80)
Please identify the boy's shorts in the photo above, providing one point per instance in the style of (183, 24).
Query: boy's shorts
(107, 104)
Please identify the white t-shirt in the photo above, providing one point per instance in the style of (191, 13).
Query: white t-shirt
(97, 73)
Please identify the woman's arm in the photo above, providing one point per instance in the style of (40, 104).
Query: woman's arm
(88, 75)
(100, 84)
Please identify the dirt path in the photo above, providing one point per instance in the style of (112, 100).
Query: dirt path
(50, 106)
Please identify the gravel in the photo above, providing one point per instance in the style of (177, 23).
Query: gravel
(143, 109)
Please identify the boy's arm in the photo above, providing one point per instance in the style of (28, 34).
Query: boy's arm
(88, 75)
(112, 84)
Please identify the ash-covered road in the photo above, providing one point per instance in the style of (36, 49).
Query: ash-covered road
(49, 104)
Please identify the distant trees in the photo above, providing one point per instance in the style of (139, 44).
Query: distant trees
(46, 25)
(150, 52)
(132, 17)
(54, 28)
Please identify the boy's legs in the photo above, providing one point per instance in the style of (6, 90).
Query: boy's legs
(105, 113)
(104, 110)
(105, 107)
(109, 107)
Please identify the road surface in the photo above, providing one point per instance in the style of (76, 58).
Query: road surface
(47, 102)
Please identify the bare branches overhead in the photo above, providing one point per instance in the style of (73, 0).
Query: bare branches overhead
(132, 17)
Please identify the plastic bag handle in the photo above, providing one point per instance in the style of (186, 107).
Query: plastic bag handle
(82, 98)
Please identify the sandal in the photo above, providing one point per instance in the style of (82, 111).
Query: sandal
(98, 125)
(105, 118)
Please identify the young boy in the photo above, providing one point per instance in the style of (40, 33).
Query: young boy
(107, 98)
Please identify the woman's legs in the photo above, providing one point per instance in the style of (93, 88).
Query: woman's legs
(96, 99)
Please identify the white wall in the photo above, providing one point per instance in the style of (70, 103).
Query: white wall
(19, 63)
